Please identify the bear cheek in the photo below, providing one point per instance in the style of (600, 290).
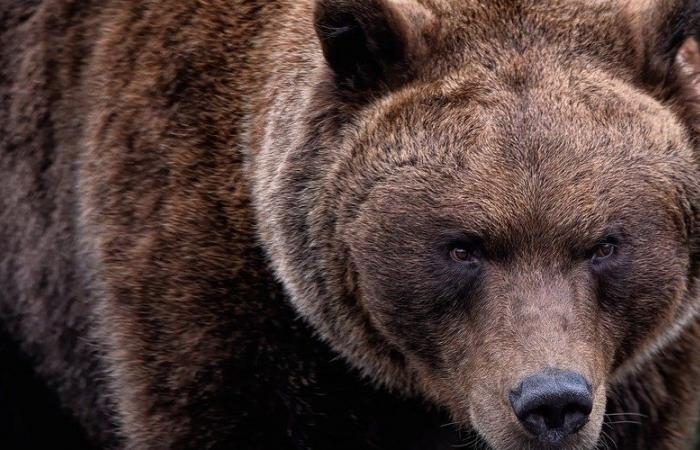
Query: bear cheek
(409, 314)
(638, 300)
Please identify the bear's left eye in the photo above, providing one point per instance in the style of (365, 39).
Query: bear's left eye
(603, 251)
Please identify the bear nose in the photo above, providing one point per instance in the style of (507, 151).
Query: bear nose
(553, 404)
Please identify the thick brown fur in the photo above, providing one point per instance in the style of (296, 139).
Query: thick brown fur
(203, 204)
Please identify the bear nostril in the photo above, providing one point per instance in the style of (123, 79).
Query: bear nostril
(553, 404)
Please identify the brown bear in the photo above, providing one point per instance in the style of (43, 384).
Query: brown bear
(355, 224)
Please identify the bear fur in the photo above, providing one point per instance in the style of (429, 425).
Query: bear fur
(189, 230)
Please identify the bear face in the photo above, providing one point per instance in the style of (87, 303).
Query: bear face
(509, 249)
(475, 196)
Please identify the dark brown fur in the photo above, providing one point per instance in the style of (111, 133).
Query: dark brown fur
(179, 180)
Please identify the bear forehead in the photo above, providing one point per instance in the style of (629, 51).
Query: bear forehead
(578, 119)
(577, 151)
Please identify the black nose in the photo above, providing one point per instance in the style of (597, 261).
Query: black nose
(553, 404)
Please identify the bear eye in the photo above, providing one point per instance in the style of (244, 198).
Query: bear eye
(603, 251)
(462, 254)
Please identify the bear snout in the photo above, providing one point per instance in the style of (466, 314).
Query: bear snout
(553, 404)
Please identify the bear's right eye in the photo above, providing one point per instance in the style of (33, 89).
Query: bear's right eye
(464, 254)
(459, 254)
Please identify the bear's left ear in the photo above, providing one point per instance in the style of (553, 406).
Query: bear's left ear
(372, 43)
(664, 28)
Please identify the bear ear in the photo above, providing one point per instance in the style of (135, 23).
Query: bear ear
(664, 28)
(370, 43)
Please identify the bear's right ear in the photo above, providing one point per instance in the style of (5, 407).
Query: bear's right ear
(370, 43)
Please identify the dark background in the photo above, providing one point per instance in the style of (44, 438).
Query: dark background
(30, 414)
